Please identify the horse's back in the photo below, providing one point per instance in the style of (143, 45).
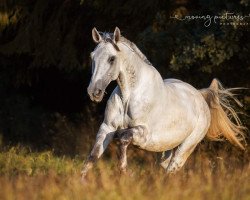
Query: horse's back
(182, 88)
(180, 85)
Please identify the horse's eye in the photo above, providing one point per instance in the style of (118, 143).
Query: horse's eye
(111, 59)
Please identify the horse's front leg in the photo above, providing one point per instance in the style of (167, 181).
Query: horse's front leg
(104, 137)
(125, 139)
(137, 135)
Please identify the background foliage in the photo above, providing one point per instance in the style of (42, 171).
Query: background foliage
(44, 60)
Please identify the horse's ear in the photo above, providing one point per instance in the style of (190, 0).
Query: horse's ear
(96, 36)
(117, 34)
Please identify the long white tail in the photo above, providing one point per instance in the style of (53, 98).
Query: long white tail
(224, 119)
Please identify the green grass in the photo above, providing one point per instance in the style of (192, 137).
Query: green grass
(30, 175)
(21, 161)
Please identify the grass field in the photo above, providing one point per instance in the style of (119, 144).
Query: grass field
(42, 175)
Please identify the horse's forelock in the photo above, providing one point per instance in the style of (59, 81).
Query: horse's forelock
(108, 37)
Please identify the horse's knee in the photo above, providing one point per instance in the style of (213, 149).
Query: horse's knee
(136, 135)
(125, 137)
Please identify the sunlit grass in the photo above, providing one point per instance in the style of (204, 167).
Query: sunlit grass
(30, 175)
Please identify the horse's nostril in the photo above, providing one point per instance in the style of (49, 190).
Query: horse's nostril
(97, 93)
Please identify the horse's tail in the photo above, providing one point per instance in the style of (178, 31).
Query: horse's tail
(224, 119)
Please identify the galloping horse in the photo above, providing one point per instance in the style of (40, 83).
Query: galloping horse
(149, 112)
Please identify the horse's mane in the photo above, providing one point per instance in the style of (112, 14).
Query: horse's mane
(109, 36)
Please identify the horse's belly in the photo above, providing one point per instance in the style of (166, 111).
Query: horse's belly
(167, 136)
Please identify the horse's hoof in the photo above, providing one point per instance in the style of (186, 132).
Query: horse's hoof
(84, 180)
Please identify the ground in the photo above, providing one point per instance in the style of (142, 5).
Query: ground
(25, 174)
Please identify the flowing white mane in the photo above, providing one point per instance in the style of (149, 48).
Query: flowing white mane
(108, 37)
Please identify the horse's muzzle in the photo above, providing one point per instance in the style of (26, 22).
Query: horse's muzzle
(96, 94)
(97, 89)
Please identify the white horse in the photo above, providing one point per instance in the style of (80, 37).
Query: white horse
(149, 112)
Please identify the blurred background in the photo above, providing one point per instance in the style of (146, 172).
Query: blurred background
(45, 61)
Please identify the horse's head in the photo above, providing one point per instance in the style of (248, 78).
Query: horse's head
(105, 62)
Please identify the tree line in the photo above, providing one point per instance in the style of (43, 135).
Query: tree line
(45, 62)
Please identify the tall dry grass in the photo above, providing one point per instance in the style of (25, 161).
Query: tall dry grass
(207, 175)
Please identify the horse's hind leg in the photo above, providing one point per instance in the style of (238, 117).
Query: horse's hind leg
(166, 158)
(187, 147)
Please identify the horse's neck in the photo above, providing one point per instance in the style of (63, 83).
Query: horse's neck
(132, 77)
